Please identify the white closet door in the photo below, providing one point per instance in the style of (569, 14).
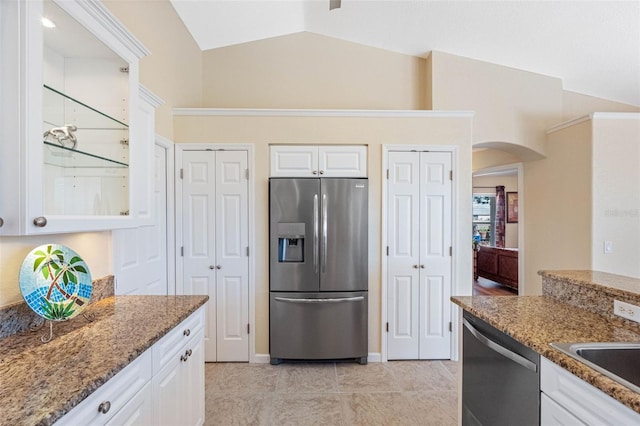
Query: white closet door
(232, 259)
(403, 271)
(435, 259)
(198, 233)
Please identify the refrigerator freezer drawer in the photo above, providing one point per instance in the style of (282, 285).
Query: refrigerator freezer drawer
(318, 326)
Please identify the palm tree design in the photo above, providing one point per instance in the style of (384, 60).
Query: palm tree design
(52, 266)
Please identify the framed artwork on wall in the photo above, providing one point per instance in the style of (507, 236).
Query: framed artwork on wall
(512, 207)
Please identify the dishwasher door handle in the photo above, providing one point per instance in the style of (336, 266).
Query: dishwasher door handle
(500, 349)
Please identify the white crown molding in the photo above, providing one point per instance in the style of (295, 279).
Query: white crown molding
(569, 123)
(150, 97)
(100, 13)
(245, 112)
(595, 115)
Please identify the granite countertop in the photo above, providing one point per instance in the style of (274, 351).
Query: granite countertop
(557, 316)
(40, 382)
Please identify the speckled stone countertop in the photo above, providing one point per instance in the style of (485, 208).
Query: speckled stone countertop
(40, 382)
(557, 316)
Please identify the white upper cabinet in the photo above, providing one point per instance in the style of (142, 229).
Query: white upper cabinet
(318, 161)
(76, 128)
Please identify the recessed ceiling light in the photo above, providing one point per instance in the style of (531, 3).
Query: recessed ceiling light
(48, 23)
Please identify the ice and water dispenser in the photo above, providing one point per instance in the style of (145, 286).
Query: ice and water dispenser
(291, 242)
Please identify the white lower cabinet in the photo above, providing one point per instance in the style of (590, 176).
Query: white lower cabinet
(568, 400)
(163, 386)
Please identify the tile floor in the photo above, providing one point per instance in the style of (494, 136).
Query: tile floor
(393, 393)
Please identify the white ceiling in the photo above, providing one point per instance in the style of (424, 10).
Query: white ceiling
(593, 46)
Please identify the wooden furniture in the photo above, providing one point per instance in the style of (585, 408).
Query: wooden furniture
(499, 265)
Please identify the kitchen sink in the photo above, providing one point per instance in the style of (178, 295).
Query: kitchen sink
(618, 361)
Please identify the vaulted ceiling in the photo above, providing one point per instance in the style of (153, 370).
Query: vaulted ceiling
(593, 46)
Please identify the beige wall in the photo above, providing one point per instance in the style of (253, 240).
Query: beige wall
(558, 209)
(374, 132)
(510, 185)
(616, 193)
(93, 247)
(173, 70)
(306, 70)
(486, 158)
(512, 106)
(576, 105)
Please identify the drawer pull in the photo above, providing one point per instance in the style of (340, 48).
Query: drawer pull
(189, 352)
(186, 332)
(104, 407)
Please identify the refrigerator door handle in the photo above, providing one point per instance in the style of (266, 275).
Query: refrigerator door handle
(324, 232)
(316, 225)
(332, 300)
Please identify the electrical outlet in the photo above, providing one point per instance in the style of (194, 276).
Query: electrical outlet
(626, 310)
(608, 247)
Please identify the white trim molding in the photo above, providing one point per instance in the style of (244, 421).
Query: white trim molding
(594, 115)
(150, 97)
(246, 112)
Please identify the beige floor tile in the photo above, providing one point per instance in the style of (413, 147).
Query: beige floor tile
(421, 375)
(243, 379)
(307, 409)
(237, 409)
(373, 377)
(434, 407)
(385, 408)
(307, 378)
(454, 367)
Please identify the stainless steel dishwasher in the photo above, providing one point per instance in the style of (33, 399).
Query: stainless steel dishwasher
(500, 377)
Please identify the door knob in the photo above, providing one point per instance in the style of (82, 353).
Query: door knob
(415, 266)
(421, 266)
(218, 267)
(212, 267)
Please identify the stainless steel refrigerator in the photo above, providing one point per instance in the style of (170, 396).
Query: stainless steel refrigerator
(318, 268)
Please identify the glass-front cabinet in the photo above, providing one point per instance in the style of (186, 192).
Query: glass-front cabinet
(77, 129)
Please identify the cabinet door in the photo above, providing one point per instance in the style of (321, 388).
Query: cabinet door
(342, 161)
(294, 161)
(553, 414)
(90, 168)
(403, 268)
(193, 382)
(435, 260)
(138, 411)
(169, 398)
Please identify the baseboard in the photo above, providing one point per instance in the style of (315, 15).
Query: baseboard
(265, 358)
(374, 357)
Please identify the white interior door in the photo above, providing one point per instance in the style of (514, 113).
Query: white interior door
(140, 254)
(435, 259)
(198, 236)
(403, 272)
(232, 257)
(419, 264)
(215, 239)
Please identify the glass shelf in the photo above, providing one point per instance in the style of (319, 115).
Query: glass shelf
(58, 155)
(102, 141)
(59, 106)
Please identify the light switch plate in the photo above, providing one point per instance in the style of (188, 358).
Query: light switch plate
(626, 310)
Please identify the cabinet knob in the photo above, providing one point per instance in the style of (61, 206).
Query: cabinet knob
(184, 357)
(321, 172)
(315, 172)
(219, 267)
(104, 407)
(212, 267)
(1, 222)
(421, 266)
(189, 352)
(40, 221)
(186, 332)
(415, 266)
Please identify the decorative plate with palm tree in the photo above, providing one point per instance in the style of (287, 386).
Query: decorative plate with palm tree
(55, 282)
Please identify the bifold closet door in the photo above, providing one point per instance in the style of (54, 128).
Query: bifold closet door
(215, 241)
(419, 260)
